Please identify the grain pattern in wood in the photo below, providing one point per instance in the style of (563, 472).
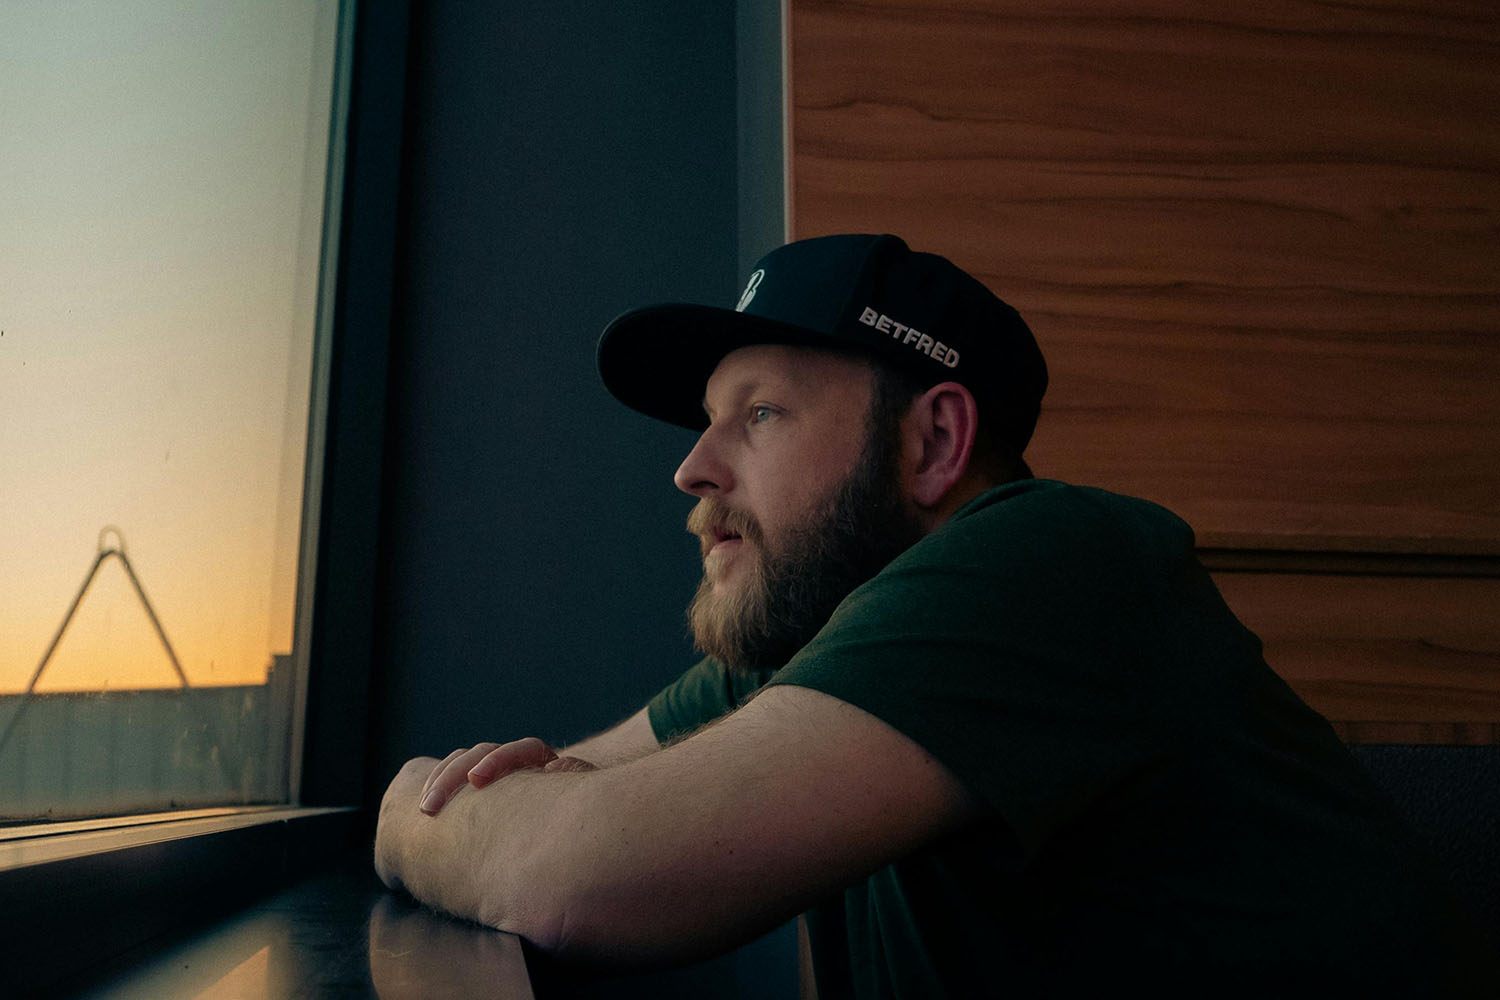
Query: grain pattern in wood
(1387, 659)
(1257, 245)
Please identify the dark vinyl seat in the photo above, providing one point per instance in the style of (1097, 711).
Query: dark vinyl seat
(1451, 795)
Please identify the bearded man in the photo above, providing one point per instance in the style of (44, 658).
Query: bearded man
(993, 734)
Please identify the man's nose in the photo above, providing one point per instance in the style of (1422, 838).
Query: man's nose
(704, 471)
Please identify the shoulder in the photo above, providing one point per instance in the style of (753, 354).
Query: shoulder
(1050, 527)
(1051, 503)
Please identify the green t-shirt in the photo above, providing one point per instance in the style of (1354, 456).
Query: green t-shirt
(1159, 807)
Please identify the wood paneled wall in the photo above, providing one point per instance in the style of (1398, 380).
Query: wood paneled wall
(1258, 244)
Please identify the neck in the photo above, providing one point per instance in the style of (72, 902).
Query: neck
(970, 486)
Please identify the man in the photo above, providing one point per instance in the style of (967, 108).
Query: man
(994, 734)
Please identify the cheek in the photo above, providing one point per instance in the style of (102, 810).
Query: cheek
(801, 494)
(783, 485)
(781, 525)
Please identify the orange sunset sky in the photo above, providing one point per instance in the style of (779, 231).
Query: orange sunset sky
(161, 198)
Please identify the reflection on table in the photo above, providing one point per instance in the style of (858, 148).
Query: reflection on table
(415, 953)
(341, 934)
(338, 934)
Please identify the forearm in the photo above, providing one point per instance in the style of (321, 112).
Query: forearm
(566, 860)
(620, 744)
(592, 865)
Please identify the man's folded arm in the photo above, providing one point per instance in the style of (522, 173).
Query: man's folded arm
(682, 852)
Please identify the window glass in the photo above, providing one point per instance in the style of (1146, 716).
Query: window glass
(162, 192)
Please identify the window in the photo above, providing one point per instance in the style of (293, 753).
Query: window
(165, 194)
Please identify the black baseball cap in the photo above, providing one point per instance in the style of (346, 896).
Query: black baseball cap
(916, 311)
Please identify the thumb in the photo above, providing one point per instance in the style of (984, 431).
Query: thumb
(569, 764)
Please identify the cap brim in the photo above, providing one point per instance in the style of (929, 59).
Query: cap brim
(657, 360)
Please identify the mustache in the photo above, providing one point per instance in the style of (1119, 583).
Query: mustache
(712, 519)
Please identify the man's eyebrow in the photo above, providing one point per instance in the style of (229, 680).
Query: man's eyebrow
(735, 393)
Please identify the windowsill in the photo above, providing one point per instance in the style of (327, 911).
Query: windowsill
(124, 888)
(42, 843)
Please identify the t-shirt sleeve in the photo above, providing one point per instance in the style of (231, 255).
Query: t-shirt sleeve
(999, 644)
(705, 692)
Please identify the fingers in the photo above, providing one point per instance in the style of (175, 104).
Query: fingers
(478, 766)
(513, 756)
(449, 776)
(440, 768)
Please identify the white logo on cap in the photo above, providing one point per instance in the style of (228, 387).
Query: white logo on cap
(910, 336)
(750, 288)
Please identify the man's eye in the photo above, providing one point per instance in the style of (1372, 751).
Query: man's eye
(760, 414)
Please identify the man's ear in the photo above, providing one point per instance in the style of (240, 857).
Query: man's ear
(939, 430)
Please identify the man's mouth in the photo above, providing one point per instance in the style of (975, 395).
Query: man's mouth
(719, 527)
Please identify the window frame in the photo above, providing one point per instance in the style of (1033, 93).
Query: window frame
(88, 896)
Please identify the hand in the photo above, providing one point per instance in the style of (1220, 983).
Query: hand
(480, 765)
(395, 808)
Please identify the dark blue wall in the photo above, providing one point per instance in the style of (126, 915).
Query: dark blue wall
(563, 162)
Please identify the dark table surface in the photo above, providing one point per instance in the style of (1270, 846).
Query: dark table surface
(339, 933)
(336, 934)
